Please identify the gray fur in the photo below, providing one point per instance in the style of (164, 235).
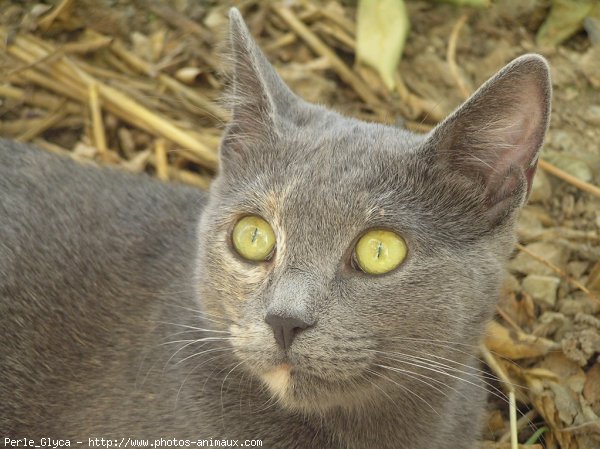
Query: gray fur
(105, 277)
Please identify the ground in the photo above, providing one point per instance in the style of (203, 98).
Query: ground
(166, 57)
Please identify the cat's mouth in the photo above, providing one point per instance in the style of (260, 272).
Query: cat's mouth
(279, 378)
(308, 377)
(298, 387)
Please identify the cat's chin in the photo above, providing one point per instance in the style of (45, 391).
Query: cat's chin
(296, 389)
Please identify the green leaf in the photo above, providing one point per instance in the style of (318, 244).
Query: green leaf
(565, 19)
(536, 436)
(382, 27)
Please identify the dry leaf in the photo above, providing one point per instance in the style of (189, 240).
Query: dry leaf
(545, 404)
(382, 27)
(515, 345)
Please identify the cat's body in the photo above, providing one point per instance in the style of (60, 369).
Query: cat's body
(126, 312)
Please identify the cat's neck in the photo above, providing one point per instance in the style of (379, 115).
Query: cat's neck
(385, 417)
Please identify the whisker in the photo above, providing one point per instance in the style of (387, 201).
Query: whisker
(221, 394)
(272, 401)
(415, 376)
(187, 331)
(194, 369)
(202, 352)
(478, 373)
(452, 346)
(191, 342)
(498, 393)
(443, 343)
(408, 390)
(193, 327)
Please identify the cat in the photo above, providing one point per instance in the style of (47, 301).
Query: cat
(132, 308)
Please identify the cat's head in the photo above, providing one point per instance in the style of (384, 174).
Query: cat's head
(306, 317)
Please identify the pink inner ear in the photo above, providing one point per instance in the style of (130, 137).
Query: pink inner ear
(494, 138)
(516, 139)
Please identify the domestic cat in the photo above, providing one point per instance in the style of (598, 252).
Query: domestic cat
(329, 292)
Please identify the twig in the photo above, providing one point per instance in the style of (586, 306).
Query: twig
(97, 123)
(514, 434)
(451, 56)
(88, 46)
(590, 425)
(341, 20)
(187, 177)
(161, 125)
(53, 148)
(66, 77)
(495, 367)
(40, 99)
(418, 104)
(523, 421)
(118, 64)
(146, 68)
(585, 186)
(417, 127)
(506, 317)
(15, 127)
(48, 122)
(338, 34)
(46, 22)
(56, 149)
(281, 41)
(184, 176)
(181, 22)
(499, 371)
(323, 50)
(161, 165)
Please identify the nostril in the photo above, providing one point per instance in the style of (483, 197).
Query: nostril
(285, 328)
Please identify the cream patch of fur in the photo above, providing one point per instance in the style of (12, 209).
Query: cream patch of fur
(243, 335)
(278, 379)
(274, 205)
(235, 332)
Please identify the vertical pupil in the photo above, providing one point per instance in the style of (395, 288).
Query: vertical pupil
(254, 235)
(379, 249)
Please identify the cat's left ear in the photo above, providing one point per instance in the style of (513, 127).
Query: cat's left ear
(259, 98)
(495, 136)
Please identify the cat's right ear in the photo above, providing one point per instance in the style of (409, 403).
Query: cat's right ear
(259, 98)
(494, 138)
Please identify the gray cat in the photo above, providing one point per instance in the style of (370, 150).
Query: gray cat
(329, 292)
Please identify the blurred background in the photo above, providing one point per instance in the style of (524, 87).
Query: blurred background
(139, 85)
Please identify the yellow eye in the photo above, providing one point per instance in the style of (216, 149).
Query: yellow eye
(253, 238)
(380, 251)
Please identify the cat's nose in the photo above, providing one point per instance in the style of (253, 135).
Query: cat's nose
(286, 328)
